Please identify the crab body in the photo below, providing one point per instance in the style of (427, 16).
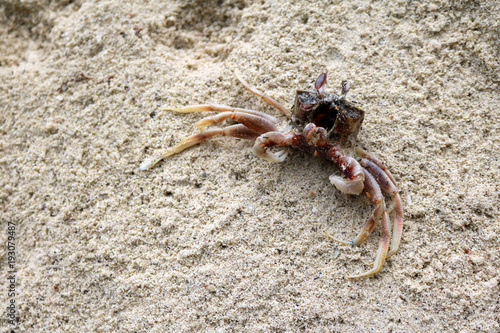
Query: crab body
(341, 120)
(322, 124)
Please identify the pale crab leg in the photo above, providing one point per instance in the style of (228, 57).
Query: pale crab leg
(237, 131)
(374, 193)
(398, 225)
(389, 187)
(262, 95)
(382, 250)
(218, 108)
(252, 121)
(363, 154)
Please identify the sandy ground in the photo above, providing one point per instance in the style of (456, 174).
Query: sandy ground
(216, 239)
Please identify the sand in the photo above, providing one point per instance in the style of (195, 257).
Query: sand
(215, 239)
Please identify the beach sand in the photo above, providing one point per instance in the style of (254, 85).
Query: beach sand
(216, 239)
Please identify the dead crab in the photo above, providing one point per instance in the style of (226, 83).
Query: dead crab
(323, 124)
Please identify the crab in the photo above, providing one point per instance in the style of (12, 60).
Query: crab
(322, 124)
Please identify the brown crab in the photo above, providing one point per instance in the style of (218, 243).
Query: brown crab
(323, 124)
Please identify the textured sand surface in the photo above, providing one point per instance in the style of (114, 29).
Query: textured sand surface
(216, 239)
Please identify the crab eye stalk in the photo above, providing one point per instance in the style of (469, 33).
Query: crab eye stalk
(305, 104)
(320, 83)
(346, 86)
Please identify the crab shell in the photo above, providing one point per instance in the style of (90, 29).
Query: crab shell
(340, 118)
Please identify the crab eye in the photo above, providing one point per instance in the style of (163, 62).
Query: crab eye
(307, 106)
(319, 85)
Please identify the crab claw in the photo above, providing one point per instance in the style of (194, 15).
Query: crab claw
(347, 186)
(263, 142)
(276, 157)
(354, 181)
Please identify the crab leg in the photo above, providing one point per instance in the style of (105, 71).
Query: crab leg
(237, 131)
(255, 122)
(374, 193)
(262, 95)
(398, 225)
(368, 156)
(218, 108)
(382, 250)
(388, 186)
